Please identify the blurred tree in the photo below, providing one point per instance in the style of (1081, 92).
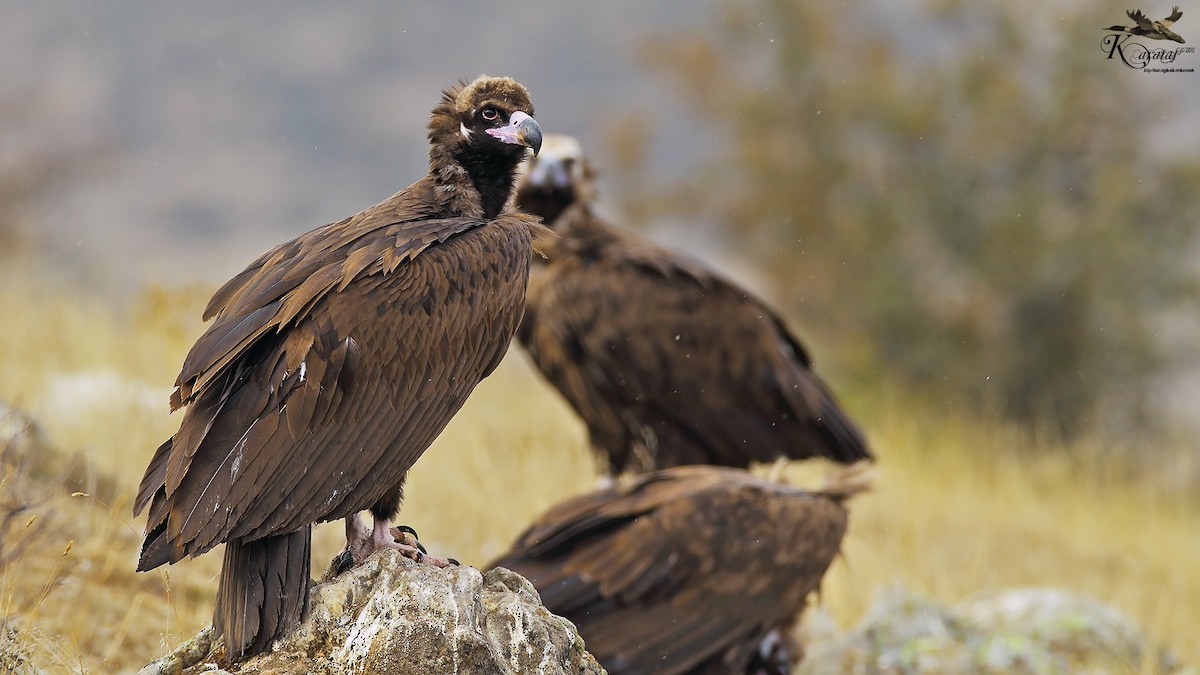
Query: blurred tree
(950, 194)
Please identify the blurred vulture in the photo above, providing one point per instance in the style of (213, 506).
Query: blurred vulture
(695, 569)
(334, 360)
(666, 362)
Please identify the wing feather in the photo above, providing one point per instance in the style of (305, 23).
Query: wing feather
(1140, 19)
(348, 382)
(682, 565)
(653, 350)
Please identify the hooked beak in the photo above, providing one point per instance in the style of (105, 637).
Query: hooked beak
(521, 130)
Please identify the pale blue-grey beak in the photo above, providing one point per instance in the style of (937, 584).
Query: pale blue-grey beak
(520, 130)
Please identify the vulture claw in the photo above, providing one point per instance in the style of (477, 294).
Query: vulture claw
(342, 562)
(408, 536)
(405, 528)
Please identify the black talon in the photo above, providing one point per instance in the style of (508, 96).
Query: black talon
(454, 562)
(416, 538)
(420, 557)
(342, 562)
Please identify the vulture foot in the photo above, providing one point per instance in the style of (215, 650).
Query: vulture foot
(405, 536)
(361, 542)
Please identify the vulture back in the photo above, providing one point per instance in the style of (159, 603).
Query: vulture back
(667, 362)
(685, 570)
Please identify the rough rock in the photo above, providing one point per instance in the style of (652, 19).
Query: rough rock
(391, 615)
(1026, 631)
(14, 653)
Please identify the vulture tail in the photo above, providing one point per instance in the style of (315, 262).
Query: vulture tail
(846, 441)
(848, 481)
(263, 591)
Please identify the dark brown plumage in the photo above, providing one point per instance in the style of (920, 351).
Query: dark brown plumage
(694, 569)
(666, 362)
(333, 362)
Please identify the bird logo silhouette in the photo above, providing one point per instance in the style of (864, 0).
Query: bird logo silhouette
(1147, 28)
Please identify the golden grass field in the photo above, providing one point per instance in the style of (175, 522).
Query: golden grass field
(962, 504)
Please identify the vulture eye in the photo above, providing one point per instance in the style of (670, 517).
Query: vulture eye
(490, 114)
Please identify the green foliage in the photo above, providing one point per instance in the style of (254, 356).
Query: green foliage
(958, 197)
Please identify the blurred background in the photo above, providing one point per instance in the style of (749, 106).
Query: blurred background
(983, 228)
(973, 200)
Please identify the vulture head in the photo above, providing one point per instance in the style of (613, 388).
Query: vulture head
(477, 137)
(558, 177)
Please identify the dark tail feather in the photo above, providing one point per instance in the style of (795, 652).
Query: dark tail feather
(836, 436)
(155, 477)
(263, 591)
(846, 442)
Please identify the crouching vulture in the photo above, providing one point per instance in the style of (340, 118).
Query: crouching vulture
(666, 362)
(695, 569)
(334, 360)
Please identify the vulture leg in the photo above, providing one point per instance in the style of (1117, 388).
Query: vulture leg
(362, 541)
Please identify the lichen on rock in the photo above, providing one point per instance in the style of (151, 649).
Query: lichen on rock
(1033, 631)
(391, 615)
(14, 653)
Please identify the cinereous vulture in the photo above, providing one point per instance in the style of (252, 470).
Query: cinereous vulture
(667, 362)
(334, 360)
(696, 569)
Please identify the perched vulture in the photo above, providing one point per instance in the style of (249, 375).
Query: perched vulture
(334, 360)
(666, 362)
(695, 569)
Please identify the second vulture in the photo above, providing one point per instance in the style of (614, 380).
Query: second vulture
(666, 362)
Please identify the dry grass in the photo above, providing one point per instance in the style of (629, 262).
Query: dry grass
(961, 505)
